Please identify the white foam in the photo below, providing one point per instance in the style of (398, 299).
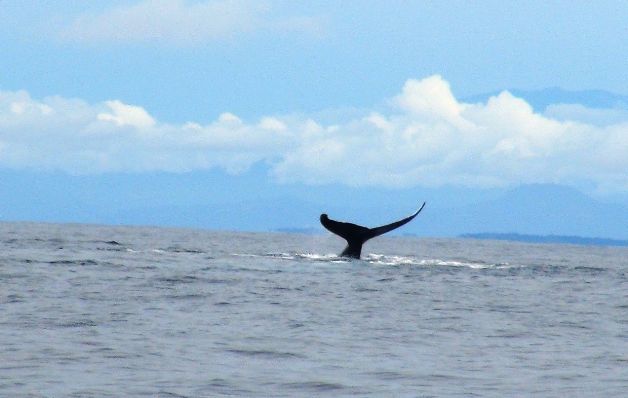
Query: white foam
(245, 255)
(402, 260)
(379, 259)
(389, 260)
(450, 263)
(314, 256)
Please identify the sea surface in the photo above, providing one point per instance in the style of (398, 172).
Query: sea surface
(94, 311)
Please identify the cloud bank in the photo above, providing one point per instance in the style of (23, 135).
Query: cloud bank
(425, 138)
(179, 22)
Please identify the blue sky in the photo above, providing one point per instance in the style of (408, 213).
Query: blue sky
(283, 57)
(358, 93)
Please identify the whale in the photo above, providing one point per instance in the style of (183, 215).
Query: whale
(357, 235)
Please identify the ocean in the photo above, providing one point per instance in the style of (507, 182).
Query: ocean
(100, 311)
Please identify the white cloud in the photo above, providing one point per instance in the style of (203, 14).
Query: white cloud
(126, 115)
(426, 137)
(580, 113)
(181, 22)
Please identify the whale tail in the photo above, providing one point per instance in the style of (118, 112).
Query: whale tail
(356, 235)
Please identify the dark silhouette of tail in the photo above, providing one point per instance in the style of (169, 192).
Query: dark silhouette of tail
(356, 235)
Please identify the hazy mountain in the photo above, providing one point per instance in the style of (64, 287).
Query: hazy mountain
(539, 209)
(575, 240)
(215, 200)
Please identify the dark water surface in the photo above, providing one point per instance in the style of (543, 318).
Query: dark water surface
(89, 311)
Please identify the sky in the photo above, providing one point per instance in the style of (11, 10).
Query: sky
(356, 93)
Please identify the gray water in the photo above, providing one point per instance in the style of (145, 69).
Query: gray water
(89, 311)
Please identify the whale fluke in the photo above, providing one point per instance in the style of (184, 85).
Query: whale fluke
(356, 235)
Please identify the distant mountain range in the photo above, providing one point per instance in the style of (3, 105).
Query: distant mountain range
(536, 213)
(249, 202)
(537, 209)
(576, 240)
